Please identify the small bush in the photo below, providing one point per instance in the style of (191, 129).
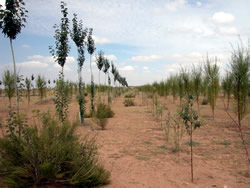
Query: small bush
(51, 154)
(129, 95)
(103, 112)
(129, 102)
(204, 102)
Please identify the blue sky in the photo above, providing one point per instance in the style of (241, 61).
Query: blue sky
(147, 40)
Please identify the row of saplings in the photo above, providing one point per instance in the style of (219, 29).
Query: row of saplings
(48, 152)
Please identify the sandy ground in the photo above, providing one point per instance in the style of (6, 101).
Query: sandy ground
(134, 147)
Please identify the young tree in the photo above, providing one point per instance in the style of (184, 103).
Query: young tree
(41, 86)
(212, 74)
(227, 86)
(197, 79)
(180, 87)
(28, 89)
(9, 84)
(91, 49)
(106, 68)
(60, 54)
(12, 20)
(240, 64)
(186, 81)
(78, 36)
(100, 62)
(191, 121)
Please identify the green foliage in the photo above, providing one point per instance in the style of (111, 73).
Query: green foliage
(194, 143)
(191, 122)
(92, 96)
(129, 102)
(90, 42)
(102, 114)
(78, 36)
(62, 48)
(204, 102)
(186, 82)
(9, 84)
(174, 86)
(51, 154)
(174, 129)
(41, 86)
(12, 19)
(129, 95)
(62, 98)
(197, 80)
(240, 64)
(28, 86)
(227, 86)
(212, 75)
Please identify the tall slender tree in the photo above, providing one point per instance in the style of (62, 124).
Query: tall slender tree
(91, 49)
(28, 89)
(100, 62)
(212, 74)
(41, 86)
(240, 64)
(106, 68)
(12, 19)
(227, 86)
(197, 79)
(78, 35)
(9, 84)
(60, 54)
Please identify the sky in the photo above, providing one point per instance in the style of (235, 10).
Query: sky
(148, 40)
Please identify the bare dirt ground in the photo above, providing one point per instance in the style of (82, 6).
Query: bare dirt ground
(134, 148)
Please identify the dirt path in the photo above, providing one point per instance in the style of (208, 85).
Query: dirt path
(134, 148)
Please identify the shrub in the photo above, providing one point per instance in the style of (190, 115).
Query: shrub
(49, 153)
(129, 102)
(204, 102)
(129, 95)
(103, 112)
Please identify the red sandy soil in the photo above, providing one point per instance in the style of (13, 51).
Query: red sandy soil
(134, 148)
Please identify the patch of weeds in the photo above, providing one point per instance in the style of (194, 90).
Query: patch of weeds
(158, 152)
(205, 116)
(174, 150)
(125, 150)
(142, 157)
(245, 173)
(194, 143)
(225, 143)
(147, 142)
(163, 147)
(148, 111)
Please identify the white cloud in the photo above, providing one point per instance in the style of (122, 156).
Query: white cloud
(145, 68)
(2, 2)
(50, 59)
(25, 46)
(126, 68)
(146, 58)
(228, 31)
(223, 18)
(111, 57)
(32, 64)
(174, 5)
(101, 40)
(198, 3)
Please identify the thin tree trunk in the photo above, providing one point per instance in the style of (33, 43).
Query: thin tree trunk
(191, 142)
(15, 77)
(15, 80)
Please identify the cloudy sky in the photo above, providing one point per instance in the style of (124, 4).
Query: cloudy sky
(147, 40)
